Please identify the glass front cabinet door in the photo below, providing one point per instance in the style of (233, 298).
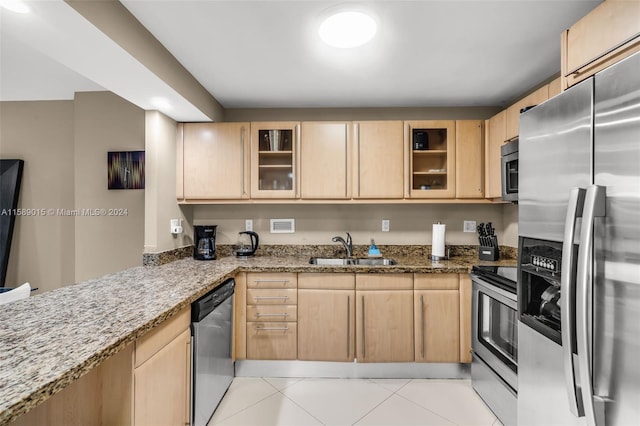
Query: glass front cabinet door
(274, 150)
(431, 149)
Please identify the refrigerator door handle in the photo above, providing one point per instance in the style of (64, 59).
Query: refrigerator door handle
(567, 311)
(594, 206)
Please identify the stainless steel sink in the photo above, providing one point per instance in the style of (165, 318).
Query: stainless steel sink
(338, 261)
(331, 261)
(380, 261)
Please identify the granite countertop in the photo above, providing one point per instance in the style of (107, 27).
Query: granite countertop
(49, 340)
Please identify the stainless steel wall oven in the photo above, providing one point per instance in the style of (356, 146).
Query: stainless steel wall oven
(495, 339)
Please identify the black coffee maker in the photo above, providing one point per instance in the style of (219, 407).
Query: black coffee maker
(204, 242)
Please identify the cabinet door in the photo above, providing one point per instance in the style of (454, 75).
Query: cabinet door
(431, 147)
(606, 35)
(513, 112)
(274, 162)
(496, 135)
(216, 161)
(324, 162)
(384, 325)
(469, 159)
(326, 325)
(162, 383)
(379, 160)
(437, 325)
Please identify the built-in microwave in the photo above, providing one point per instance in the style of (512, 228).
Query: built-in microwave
(509, 152)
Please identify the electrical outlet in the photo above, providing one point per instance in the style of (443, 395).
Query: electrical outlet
(176, 226)
(469, 226)
(385, 225)
(248, 225)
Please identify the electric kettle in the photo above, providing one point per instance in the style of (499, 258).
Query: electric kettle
(247, 244)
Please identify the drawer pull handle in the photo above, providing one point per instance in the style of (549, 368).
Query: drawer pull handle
(271, 297)
(271, 281)
(272, 328)
(259, 315)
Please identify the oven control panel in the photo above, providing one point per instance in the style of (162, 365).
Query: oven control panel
(545, 263)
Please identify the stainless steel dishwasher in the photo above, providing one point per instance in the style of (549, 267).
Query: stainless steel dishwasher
(211, 338)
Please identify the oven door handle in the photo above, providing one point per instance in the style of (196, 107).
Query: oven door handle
(567, 310)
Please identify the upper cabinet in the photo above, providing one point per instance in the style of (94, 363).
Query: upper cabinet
(274, 150)
(513, 112)
(378, 166)
(469, 159)
(496, 131)
(432, 157)
(215, 161)
(607, 34)
(324, 160)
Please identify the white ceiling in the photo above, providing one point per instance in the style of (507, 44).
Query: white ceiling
(266, 53)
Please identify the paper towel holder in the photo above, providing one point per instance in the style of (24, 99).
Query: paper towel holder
(445, 251)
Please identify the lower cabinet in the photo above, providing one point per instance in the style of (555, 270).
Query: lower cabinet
(326, 320)
(384, 317)
(272, 329)
(147, 383)
(161, 377)
(437, 318)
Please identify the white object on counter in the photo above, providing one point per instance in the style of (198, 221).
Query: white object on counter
(437, 241)
(17, 293)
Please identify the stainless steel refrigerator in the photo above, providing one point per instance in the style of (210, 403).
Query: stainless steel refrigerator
(579, 254)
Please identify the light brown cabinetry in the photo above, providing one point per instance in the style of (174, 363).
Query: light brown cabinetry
(384, 317)
(606, 35)
(162, 373)
(513, 112)
(469, 159)
(326, 321)
(271, 316)
(555, 87)
(465, 318)
(324, 160)
(496, 135)
(431, 159)
(274, 159)
(378, 166)
(215, 161)
(437, 318)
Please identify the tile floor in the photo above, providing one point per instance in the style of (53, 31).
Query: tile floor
(362, 402)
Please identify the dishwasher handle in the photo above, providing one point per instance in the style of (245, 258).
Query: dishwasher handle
(207, 303)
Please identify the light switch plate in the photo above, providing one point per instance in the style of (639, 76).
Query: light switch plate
(385, 225)
(248, 225)
(469, 226)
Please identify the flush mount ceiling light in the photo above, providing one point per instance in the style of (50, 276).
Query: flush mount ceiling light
(15, 6)
(347, 29)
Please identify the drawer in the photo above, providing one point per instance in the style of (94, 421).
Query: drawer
(272, 313)
(272, 340)
(436, 281)
(272, 296)
(272, 280)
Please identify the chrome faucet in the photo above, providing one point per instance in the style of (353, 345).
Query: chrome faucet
(348, 245)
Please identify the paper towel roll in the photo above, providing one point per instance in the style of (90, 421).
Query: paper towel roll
(437, 240)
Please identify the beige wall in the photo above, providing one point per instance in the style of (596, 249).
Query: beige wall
(318, 223)
(41, 134)
(64, 145)
(105, 122)
(160, 189)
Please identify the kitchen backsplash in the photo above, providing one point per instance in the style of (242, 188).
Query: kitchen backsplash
(333, 250)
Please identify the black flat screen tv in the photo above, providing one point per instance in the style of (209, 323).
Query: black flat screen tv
(10, 178)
